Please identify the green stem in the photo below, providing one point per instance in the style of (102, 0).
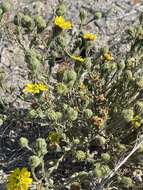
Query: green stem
(33, 174)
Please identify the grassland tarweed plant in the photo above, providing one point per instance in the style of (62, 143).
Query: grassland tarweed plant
(84, 105)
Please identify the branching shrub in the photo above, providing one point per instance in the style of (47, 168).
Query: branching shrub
(86, 104)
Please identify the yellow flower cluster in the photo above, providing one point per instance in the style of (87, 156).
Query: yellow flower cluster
(35, 88)
(19, 180)
(62, 23)
(107, 57)
(89, 36)
(136, 121)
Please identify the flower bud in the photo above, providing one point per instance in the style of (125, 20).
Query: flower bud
(72, 114)
(82, 15)
(26, 21)
(105, 169)
(32, 114)
(87, 113)
(139, 82)
(105, 157)
(98, 172)
(41, 114)
(105, 49)
(58, 115)
(61, 89)
(98, 15)
(127, 114)
(119, 179)
(80, 155)
(121, 147)
(65, 107)
(126, 182)
(6, 6)
(101, 140)
(34, 161)
(41, 147)
(70, 84)
(40, 23)
(131, 63)
(109, 67)
(128, 74)
(69, 75)
(23, 142)
(121, 65)
(88, 63)
(51, 114)
(34, 59)
(76, 141)
(61, 9)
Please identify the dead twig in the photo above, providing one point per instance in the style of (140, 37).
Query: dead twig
(105, 181)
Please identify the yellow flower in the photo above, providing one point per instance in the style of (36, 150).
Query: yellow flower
(107, 57)
(62, 23)
(89, 36)
(42, 87)
(19, 180)
(78, 58)
(136, 121)
(35, 88)
(31, 88)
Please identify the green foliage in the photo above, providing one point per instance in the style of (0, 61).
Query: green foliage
(126, 182)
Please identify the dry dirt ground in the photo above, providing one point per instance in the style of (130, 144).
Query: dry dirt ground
(117, 16)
